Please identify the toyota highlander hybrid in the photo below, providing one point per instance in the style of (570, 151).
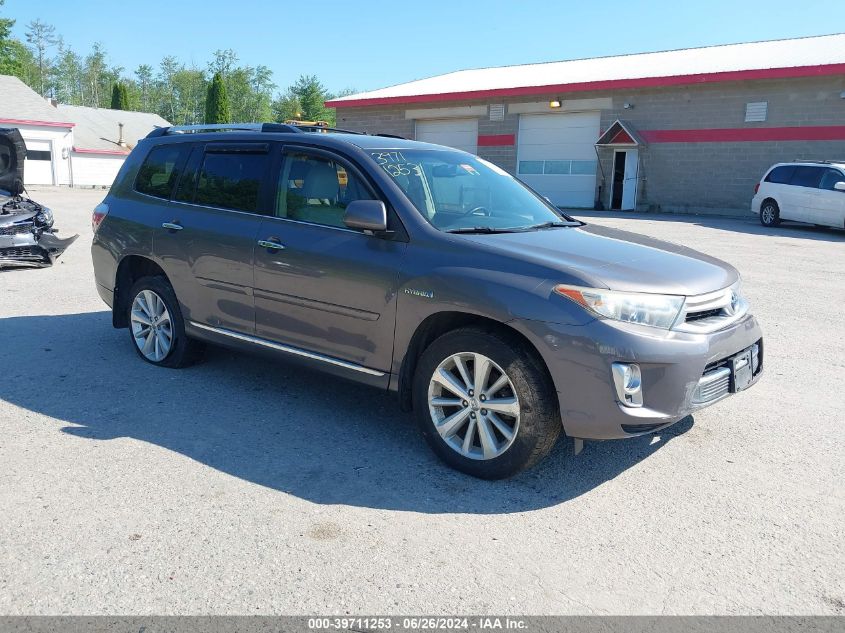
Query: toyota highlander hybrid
(498, 320)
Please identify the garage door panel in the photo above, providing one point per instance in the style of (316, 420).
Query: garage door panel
(458, 133)
(556, 156)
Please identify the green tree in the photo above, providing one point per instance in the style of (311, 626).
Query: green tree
(9, 64)
(119, 97)
(304, 100)
(217, 101)
(66, 76)
(41, 37)
(95, 76)
(144, 73)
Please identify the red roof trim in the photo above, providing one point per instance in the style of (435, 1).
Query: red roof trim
(716, 135)
(45, 123)
(111, 152)
(609, 84)
(492, 140)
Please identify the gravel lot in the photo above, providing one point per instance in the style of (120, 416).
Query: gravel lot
(244, 486)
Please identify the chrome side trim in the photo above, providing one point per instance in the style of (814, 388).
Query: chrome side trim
(287, 348)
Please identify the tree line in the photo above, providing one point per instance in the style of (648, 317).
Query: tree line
(225, 89)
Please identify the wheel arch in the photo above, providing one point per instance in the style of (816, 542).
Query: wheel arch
(438, 324)
(130, 269)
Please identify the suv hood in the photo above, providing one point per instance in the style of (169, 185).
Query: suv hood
(12, 154)
(598, 256)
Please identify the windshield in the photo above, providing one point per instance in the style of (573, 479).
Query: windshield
(459, 192)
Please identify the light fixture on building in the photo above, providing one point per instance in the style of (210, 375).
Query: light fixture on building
(554, 103)
(627, 105)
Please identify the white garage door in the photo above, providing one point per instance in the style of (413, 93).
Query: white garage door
(38, 166)
(459, 133)
(556, 156)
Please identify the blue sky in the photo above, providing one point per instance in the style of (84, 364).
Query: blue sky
(368, 44)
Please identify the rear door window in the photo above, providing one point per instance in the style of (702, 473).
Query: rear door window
(805, 176)
(231, 177)
(781, 175)
(161, 170)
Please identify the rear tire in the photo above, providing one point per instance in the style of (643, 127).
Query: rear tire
(156, 326)
(494, 412)
(769, 213)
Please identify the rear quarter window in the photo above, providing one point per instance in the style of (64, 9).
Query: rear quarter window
(160, 170)
(781, 175)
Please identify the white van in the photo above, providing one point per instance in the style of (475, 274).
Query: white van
(804, 191)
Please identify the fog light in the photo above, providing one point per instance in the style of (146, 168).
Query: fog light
(627, 379)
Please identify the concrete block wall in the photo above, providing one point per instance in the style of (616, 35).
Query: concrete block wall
(709, 177)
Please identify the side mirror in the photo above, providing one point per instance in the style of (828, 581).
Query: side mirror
(839, 186)
(366, 215)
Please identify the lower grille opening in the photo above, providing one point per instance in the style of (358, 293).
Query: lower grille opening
(642, 428)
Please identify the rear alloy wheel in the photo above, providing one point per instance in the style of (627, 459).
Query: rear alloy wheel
(769, 213)
(151, 326)
(156, 325)
(485, 403)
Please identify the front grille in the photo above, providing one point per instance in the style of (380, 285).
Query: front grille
(716, 380)
(713, 385)
(22, 251)
(17, 229)
(704, 314)
(712, 311)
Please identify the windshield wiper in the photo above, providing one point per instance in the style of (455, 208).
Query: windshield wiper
(552, 225)
(480, 229)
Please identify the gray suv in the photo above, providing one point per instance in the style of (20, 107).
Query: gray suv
(498, 320)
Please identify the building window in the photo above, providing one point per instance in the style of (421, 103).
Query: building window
(557, 167)
(756, 111)
(530, 167)
(36, 154)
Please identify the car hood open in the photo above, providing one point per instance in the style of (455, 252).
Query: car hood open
(605, 257)
(12, 155)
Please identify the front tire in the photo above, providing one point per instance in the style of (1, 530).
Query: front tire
(156, 326)
(485, 403)
(769, 213)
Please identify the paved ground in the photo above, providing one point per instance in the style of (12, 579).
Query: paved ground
(244, 486)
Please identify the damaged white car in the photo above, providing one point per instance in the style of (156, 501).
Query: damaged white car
(27, 237)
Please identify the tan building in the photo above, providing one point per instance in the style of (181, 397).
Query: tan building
(685, 130)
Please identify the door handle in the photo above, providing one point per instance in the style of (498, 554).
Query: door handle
(172, 226)
(271, 245)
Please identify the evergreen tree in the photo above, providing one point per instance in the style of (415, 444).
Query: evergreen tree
(119, 97)
(217, 102)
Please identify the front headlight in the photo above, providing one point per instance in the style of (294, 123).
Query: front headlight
(634, 307)
(45, 217)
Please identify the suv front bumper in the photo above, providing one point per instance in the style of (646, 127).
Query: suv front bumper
(681, 372)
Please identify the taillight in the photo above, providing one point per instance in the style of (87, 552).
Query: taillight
(99, 214)
(756, 188)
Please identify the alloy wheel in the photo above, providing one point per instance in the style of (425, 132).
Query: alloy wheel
(768, 214)
(474, 406)
(151, 326)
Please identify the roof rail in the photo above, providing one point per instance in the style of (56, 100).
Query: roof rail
(221, 127)
(822, 162)
(254, 127)
(323, 128)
